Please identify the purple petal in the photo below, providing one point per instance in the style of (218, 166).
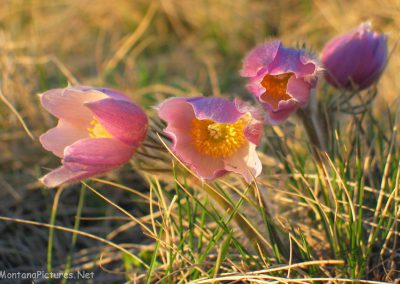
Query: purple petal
(122, 119)
(375, 53)
(217, 109)
(290, 60)
(340, 58)
(259, 57)
(356, 58)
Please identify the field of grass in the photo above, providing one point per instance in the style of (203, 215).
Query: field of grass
(312, 217)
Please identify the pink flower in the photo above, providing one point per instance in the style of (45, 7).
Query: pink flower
(98, 130)
(213, 136)
(280, 78)
(356, 59)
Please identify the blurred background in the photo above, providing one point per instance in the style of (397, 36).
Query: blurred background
(149, 49)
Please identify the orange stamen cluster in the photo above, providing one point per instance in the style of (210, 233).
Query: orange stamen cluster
(218, 139)
(275, 89)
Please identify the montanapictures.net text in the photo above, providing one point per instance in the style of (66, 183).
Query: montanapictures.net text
(46, 275)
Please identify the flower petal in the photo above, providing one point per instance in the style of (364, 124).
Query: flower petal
(217, 109)
(259, 57)
(122, 119)
(206, 167)
(115, 94)
(63, 175)
(61, 136)
(245, 162)
(254, 129)
(68, 104)
(290, 60)
(299, 90)
(341, 60)
(179, 115)
(285, 109)
(96, 155)
(375, 55)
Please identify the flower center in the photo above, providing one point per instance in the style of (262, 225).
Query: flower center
(96, 130)
(275, 89)
(218, 139)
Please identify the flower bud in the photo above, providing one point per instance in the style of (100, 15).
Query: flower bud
(356, 59)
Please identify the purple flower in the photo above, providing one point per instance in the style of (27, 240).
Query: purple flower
(356, 59)
(98, 130)
(213, 136)
(280, 78)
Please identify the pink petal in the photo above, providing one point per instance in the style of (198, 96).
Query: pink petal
(122, 119)
(61, 136)
(179, 115)
(87, 158)
(254, 129)
(299, 90)
(285, 109)
(204, 166)
(259, 57)
(115, 94)
(245, 162)
(255, 86)
(63, 175)
(97, 155)
(68, 104)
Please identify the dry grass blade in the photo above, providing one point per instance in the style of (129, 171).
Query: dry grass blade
(20, 119)
(81, 233)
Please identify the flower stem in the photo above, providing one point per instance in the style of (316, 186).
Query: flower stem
(314, 131)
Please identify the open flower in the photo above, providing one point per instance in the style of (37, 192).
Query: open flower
(356, 59)
(98, 130)
(213, 136)
(280, 78)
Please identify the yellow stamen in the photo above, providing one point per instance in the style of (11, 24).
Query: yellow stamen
(218, 139)
(275, 88)
(96, 130)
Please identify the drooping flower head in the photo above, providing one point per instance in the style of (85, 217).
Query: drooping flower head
(280, 78)
(213, 136)
(98, 130)
(356, 59)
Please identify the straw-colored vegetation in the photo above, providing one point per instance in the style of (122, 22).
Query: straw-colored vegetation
(153, 221)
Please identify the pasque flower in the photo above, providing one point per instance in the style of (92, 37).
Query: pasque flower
(356, 59)
(213, 135)
(280, 78)
(98, 130)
